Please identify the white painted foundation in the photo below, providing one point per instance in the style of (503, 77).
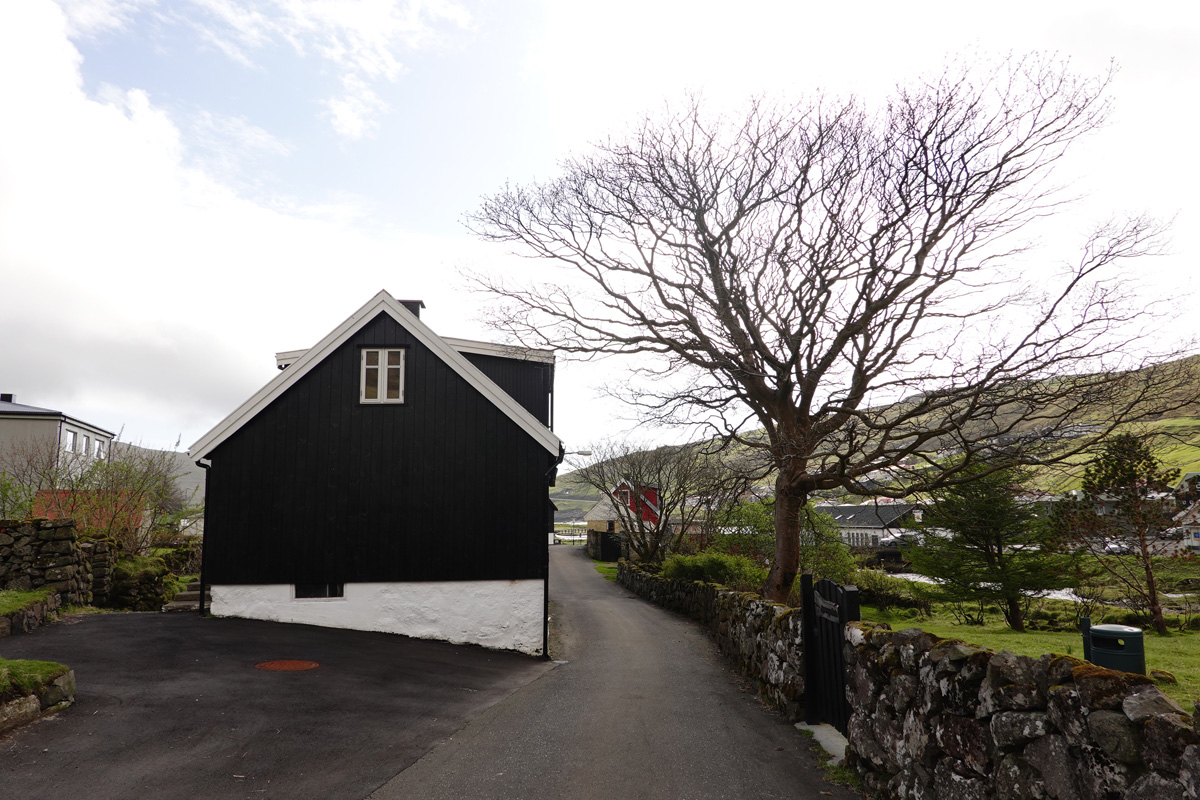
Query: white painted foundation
(506, 615)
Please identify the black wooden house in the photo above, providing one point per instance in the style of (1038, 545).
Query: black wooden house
(388, 479)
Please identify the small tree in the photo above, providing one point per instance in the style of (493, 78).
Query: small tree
(751, 532)
(1124, 502)
(122, 498)
(15, 500)
(996, 549)
(659, 495)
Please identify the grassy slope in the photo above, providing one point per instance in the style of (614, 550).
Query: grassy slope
(571, 494)
(1176, 441)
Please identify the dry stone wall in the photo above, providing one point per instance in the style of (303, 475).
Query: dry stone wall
(939, 718)
(102, 556)
(44, 552)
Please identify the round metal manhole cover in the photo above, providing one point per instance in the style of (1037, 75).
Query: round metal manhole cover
(286, 665)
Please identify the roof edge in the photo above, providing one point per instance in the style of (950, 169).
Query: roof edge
(381, 302)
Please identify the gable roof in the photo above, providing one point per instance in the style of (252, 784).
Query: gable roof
(603, 510)
(867, 515)
(305, 363)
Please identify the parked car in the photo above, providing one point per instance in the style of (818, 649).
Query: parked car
(900, 540)
(1116, 547)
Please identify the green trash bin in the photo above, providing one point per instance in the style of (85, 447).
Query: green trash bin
(1118, 647)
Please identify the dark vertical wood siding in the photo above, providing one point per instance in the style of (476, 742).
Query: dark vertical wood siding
(530, 383)
(318, 487)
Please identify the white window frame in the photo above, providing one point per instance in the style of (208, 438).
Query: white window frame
(383, 368)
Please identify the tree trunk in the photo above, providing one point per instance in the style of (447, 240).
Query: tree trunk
(1016, 620)
(788, 504)
(1156, 612)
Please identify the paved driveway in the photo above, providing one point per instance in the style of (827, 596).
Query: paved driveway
(171, 706)
(644, 708)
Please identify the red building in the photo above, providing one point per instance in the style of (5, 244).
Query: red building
(641, 500)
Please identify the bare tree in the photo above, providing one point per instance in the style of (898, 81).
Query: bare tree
(660, 495)
(842, 291)
(122, 498)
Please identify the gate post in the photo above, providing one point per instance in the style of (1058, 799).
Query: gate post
(808, 626)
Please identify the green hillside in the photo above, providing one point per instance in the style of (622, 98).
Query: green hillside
(569, 494)
(1175, 437)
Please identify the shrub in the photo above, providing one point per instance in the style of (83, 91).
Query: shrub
(877, 588)
(735, 572)
(181, 554)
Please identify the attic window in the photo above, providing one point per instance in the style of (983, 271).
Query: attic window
(382, 376)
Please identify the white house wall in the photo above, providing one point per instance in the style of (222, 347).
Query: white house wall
(18, 432)
(505, 615)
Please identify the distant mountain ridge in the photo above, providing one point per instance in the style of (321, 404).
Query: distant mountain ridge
(1176, 434)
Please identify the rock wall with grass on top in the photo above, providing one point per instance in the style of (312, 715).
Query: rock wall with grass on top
(45, 552)
(936, 718)
(31, 617)
(53, 696)
(761, 638)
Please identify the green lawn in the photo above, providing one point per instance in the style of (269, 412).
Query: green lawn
(608, 569)
(12, 601)
(1177, 653)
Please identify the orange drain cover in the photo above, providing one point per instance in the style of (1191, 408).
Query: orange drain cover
(286, 666)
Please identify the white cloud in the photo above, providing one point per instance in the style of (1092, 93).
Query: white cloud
(231, 147)
(353, 113)
(142, 288)
(362, 40)
(91, 17)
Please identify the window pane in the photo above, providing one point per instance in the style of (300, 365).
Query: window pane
(304, 590)
(394, 357)
(372, 358)
(393, 383)
(371, 383)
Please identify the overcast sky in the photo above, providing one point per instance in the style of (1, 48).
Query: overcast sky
(188, 187)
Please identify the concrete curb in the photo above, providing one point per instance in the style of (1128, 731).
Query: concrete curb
(829, 738)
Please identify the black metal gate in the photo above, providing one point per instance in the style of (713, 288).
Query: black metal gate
(827, 608)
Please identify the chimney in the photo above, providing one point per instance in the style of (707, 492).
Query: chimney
(7, 398)
(414, 306)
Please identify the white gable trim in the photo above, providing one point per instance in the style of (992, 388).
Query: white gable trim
(286, 358)
(501, 350)
(381, 302)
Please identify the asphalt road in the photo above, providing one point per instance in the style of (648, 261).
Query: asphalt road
(171, 706)
(644, 707)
